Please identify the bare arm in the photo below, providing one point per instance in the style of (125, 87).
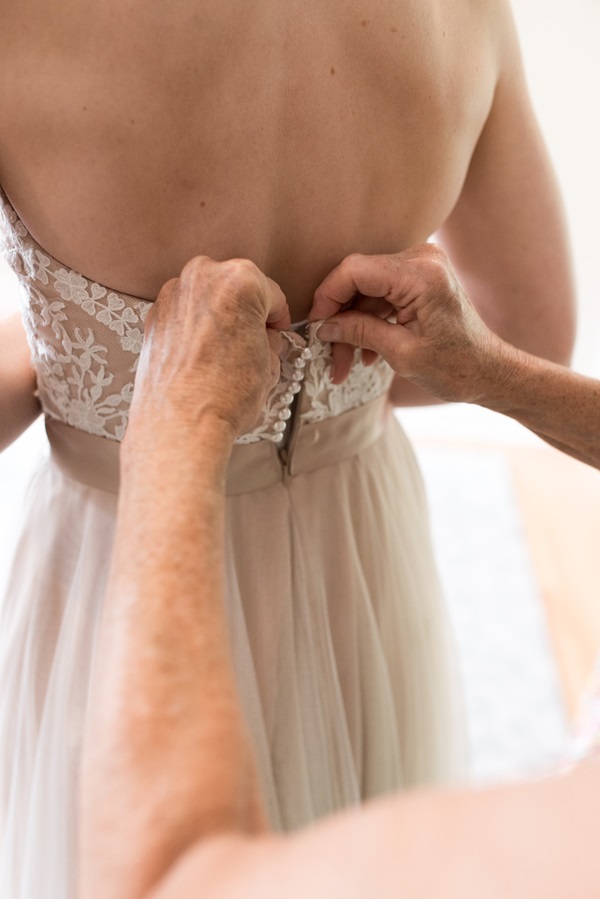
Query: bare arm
(560, 406)
(19, 407)
(506, 236)
(531, 841)
(168, 760)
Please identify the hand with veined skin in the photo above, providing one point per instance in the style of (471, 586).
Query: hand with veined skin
(211, 345)
(409, 308)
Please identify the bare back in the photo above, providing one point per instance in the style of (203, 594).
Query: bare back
(135, 136)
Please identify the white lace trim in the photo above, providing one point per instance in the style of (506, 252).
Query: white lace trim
(86, 341)
(323, 399)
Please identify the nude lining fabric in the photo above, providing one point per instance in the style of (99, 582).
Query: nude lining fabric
(90, 460)
(343, 654)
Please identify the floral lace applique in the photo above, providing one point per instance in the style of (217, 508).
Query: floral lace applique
(107, 307)
(86, 340)
(323, 399)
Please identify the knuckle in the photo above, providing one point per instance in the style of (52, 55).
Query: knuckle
(439, 271)
(196, 265)
(434, 250)
(242, 271)
(352, 261)
(170, 287)
(241, 284)
(358, 330)
(242, 281)
(168, 290)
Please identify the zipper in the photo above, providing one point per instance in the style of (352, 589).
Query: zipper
(286, 451)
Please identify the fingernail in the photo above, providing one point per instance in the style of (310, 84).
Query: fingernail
(329, 331)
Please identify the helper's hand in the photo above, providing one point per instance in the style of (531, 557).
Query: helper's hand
(410, 309)
(211, 347)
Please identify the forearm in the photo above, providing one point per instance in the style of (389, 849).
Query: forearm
(19, 406)
(559, 405)
(167, 737)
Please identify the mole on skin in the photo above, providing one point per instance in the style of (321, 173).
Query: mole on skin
(332, 70)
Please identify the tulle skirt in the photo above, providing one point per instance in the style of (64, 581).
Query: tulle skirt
(342, 649)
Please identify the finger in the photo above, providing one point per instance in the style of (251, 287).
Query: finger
(278, 316)
(165, 302)
(366, 331)
(382, 309)
(369, 357)
(376, 305)
(371, 276)
(342, 360)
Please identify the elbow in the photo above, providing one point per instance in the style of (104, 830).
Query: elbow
(557, 327)
(552, 339)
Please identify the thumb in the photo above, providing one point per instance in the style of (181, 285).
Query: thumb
(368, 332)
(278, 309)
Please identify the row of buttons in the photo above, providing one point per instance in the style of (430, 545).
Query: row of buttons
(287, 399)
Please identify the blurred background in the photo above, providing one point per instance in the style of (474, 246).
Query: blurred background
(516, 525)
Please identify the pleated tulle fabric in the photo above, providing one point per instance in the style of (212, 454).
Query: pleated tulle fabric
(48, 629)
(342, 650)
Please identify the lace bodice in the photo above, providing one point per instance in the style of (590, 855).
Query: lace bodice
(86, 340)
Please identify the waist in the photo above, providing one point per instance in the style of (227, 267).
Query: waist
(94, 461)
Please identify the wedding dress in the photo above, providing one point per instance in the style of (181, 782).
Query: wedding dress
(343, 653)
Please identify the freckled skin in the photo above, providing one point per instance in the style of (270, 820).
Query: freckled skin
(118, 120)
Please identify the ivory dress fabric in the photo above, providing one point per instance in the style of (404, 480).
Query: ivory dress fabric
(342, 648)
